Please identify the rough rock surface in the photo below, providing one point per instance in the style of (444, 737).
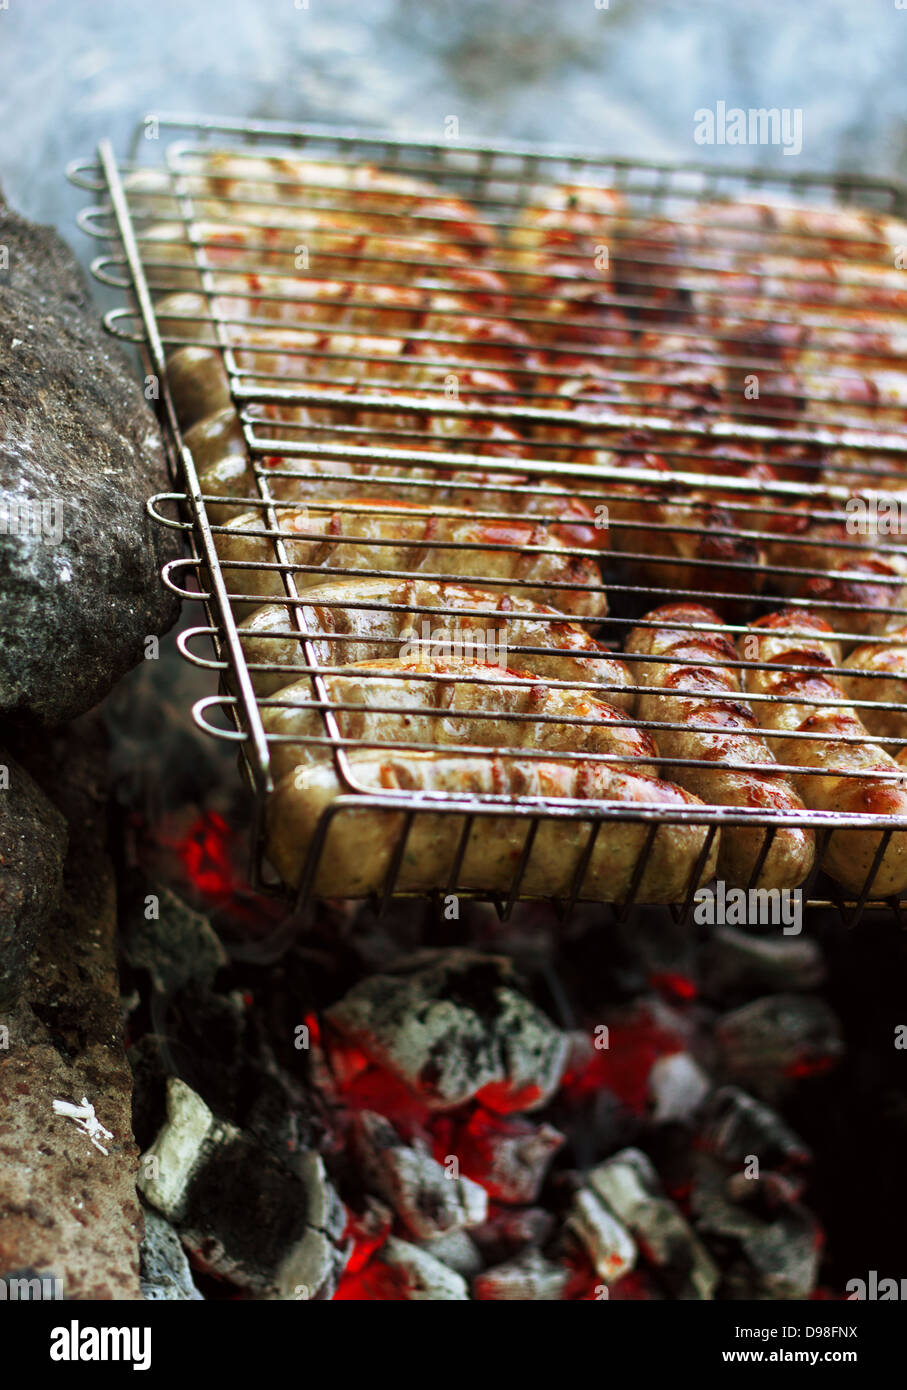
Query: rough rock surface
(32, 848)
(80, 453)
(66, 1208)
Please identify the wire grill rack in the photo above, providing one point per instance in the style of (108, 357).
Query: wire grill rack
(365, 346)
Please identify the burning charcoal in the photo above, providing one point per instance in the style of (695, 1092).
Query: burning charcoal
(454, 1027)
(33, 839)
(243, 1213)
(628, 1185)
(609, 1244)
(529, 1277)
(509, 1230)
(166, 1275)
(677, 1088)
(737, 1126)
(420, 1277)
(174, 944)
(770, 1043)
(427, 1199)
(508, 1155)
(457, 1250)
(738, 962)
(80, 451)
(779, 1248)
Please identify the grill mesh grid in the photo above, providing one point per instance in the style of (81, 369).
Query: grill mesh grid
(833, 434)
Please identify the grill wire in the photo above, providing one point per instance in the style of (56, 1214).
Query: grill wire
(486, 380)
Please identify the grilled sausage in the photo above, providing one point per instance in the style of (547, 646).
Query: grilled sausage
(696, 691)
(857, 588)
(311, 195)
(450, 701)
(359, 846)
(825, 759)
(512, 557)
(886, 684)
(462, 620)
(293, 479)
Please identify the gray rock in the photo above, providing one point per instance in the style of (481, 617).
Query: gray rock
(33, 840)
(80, 453)
(166, 1276)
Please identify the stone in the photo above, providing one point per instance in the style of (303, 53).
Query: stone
(67, 1209)
(80, 453)
(33, 839)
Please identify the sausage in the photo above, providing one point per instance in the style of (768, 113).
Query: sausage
(567, 218)
(868, 584)
(450, 701)
(698, 692)
(359, 846)
(417, 540)
(353, 197)
(464, 620)
(886, 684)
(850, 853)
(695, 543)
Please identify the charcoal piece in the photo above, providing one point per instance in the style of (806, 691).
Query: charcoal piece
(429, 1199)
(166, 1276)
(677, 1087)
(454, 1026)
(80, 453)
(771, 1043)
(740, 963)
(33, 839)
(509, 1230)
(172, 942)
(780, 1246)
(607, 1241)
(629, 1186)
(508, 1155)
(457, 1250)
(529, 1277)
(736, 1126)
(245, 1215)
(421, 1277)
